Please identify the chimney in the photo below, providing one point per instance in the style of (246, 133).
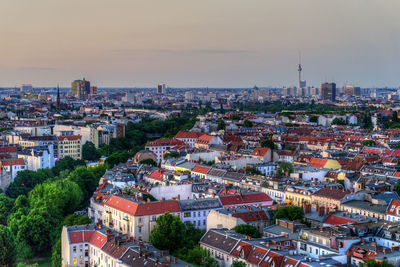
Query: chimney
(248, 237)
(321, 211)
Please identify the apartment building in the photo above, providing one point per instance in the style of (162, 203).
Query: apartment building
(134, 218)
(160, 146)
(70, 146)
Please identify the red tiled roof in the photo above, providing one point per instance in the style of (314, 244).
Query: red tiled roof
(8, 149)
(316, 162)
(393, 207)
(260, 151)
(189, 134)
(98, 239)
(204, 139)
(331, 192)
(166, 142)
(8, 162)
(157, 175)
(255, 197)
(80, 236)
(244, 199)
(70, 138)
(250, 216)
(138, 209)
(201, 169)
(336, 220)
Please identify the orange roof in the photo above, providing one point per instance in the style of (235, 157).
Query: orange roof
(316, 162)
(188, 134)
(8, 162)
(157, 175)
(260, 151)
(201, 169)
(137, 209)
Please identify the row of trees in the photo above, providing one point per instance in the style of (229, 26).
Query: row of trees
(136, 135)
(181, 240)
(38, 203)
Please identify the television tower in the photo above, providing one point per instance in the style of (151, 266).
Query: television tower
(299, 69)
(58, 97)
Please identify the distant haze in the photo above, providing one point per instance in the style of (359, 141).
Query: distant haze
(216, 43)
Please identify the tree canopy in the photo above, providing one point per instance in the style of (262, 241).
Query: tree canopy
(247, 229)
(247, 124)
(374, 263)
(284, 168)
(149, 162)
(89, 152)
(238, 264)
(8, 251)
(289, 212)
(369, 143)
(268, 143)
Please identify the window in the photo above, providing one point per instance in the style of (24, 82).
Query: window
(74, 249)
(186, 214)
(139, 229)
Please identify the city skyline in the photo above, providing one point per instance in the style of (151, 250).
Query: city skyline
(199, 44)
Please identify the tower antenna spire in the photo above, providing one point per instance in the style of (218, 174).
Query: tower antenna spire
(299, 69)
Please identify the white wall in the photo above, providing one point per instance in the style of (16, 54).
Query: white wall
(169, 192)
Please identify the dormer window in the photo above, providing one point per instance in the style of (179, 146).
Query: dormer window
(398, 210)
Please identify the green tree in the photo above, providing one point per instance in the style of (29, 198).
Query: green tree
(6, 205)
(247, 229)
(85, 179)
(197, 256)
(235, 117)
(284, 168)
(221, 125)
(247, 124)
(339, 121)
(76, 219)
(289, 212)
(89, 152)
(169, 233)
(367, 121)
(148, 196)
(268, 143)
(238, 264)
(314, 119)
(395, 117)
(56, 254)
(374, 263)
(172, 154)
(25, 181)
(8, 251)
(369, 143)
(148, 162)
(252, 170)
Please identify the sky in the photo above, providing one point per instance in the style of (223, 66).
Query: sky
(199, 43)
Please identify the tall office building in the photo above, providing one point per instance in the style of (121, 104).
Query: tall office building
(161, 88)
(80, 88)
(328, 91)
(26, 88)
(352, 90)
(93, 90)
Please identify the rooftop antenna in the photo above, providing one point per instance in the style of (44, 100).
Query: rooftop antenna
(299, 69)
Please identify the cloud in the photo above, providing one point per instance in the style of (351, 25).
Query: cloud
(184, 51)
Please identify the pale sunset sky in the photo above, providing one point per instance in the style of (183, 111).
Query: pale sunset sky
(215, 43)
